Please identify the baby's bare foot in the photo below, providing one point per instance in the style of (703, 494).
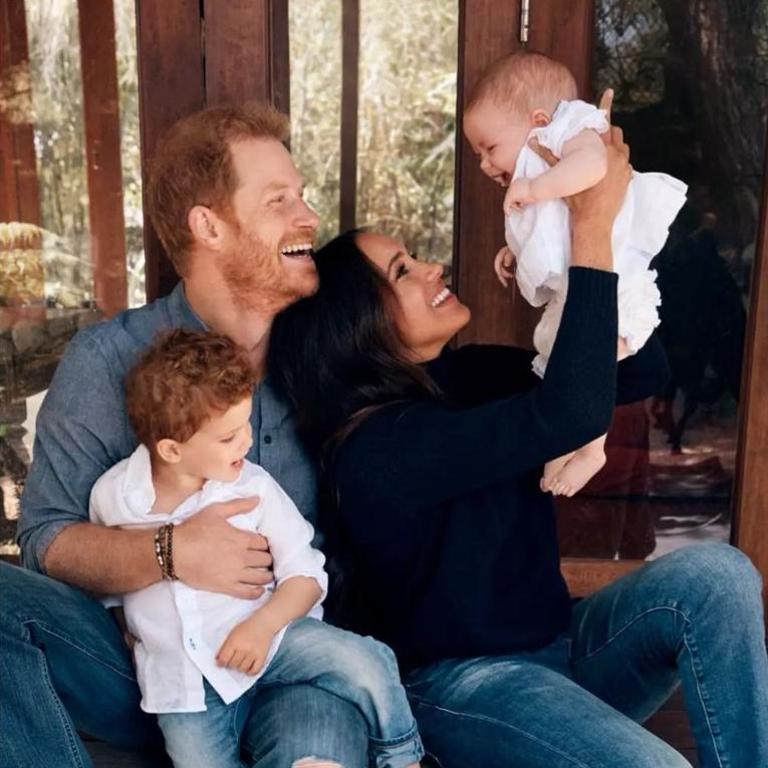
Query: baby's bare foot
(583, 466)
(551, 470)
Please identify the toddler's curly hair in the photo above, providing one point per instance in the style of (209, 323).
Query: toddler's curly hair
(181, 381)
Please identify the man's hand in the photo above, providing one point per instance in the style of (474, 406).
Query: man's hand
(504, 264)
(599, 205)
(246, 646)
(211, 554)
(519, 194)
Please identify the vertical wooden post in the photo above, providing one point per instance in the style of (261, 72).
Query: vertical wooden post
(350, 66)
(102, 150)
(487, 31)
(19, 191)
(253, 31)
(171, 85)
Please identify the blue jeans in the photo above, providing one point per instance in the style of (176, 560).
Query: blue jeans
(64, 666)
(693, 617)
(360, 670)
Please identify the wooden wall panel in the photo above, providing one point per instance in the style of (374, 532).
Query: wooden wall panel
(237, 51)
(101, 111)
(566, 32)
(171, 85)
(487, 30)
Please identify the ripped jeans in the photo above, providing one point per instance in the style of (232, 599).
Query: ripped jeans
(360, 670)
(64, 667)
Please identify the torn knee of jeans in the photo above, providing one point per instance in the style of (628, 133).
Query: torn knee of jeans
(314, 762)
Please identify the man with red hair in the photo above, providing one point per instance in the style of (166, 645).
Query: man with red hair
(227, 203)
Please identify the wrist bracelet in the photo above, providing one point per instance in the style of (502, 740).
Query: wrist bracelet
(164, 551)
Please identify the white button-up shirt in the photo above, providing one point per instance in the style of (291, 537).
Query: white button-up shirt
(180, 630)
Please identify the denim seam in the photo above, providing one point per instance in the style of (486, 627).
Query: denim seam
(46, 628)
(701, 693)
(546, 745)
(623, 629)
(233, 722)
(60, 711)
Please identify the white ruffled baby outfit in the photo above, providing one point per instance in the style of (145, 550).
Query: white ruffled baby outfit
(540, 237)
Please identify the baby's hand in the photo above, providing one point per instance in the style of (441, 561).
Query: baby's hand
(519, 194)
(246, 647)
(504, 264)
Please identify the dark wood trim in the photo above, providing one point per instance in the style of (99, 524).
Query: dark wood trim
(750, 499)
(171, 85)
(19, 190)
(101, 113)
(350, 64)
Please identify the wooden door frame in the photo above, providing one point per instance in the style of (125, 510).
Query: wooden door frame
(566, 32)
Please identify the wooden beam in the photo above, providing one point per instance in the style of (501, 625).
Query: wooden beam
(171, 85)
(101, 112)
(350, 67)
(19, 191)
(252, 31)
(487, 31)
(750, 498)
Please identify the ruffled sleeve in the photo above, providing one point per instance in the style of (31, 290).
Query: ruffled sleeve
(569, 120)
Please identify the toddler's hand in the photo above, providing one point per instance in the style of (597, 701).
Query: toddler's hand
(504, 264)
(519, 194)
(246, 647)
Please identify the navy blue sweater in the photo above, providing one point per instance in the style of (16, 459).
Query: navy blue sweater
(449, 548)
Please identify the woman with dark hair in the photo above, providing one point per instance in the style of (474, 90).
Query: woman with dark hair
(431, 461)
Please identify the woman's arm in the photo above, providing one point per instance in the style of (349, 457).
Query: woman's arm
(421, 454)
(425, 453)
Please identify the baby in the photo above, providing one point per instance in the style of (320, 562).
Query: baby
(524, 96)
(200, 654)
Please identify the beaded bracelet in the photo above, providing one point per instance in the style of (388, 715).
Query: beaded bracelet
(164, 551)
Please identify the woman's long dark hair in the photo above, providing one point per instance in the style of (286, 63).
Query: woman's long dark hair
(337, 355)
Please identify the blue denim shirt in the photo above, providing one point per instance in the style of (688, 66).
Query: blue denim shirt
(83, 427)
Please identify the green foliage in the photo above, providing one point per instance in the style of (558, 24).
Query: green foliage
(407, 115)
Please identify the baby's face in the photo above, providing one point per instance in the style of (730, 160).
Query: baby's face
(496, 135)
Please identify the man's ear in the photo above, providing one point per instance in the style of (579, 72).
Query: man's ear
(205, 225)
(168, 450)
(540, 118)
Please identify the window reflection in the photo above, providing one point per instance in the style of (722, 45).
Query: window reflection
(696, 110)
(53, 254)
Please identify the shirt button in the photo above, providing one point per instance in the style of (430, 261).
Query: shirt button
(267, 439)
(192, 644)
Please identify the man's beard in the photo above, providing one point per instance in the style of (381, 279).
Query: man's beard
(258, 280)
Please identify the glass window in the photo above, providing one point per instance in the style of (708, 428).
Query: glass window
(406, 116)
(670, 470)
(54, 263)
